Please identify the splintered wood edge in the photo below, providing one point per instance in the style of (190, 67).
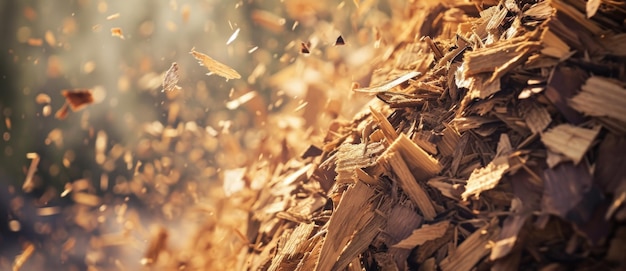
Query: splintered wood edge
(410, 185)
(601, 97)
(472, 249)
(385, 126)
(423, 234)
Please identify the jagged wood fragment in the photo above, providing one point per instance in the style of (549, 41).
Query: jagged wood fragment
(353, 212)
(419, 161)
(601, 97)
(537, 118)
(389, 85)
(423, 234)
(570, 140)
(292, 247)
(351, 157)
(486, 178)
(410, 185)
(472, 249)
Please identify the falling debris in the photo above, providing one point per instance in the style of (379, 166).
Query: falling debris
(170, 80)
(236, 103)
(29, 183)
(215, 66)
(117, 32)
(304, 47)
(77, 99)
(340, 41)
(113, 17)
(23, 257)
(233, 36)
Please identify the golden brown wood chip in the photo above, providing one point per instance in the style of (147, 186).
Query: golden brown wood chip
(486, 178)
(269, 21)
(117, 32)
(157, 245)
(23, 257)
(423, 234)
(472, 249)
(214, 66)
(410, 185)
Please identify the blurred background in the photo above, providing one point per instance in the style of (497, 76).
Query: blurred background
(139, 159)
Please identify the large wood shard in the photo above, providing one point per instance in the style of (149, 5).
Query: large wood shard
(472, 249)
(601, 97)
(410, 185)
(423, 234)
(570, 140)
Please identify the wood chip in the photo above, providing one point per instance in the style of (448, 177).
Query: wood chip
(78, 99)
(601, 97)
(423, 234)
(472, 249)
(570, 140)
(389, 85)
(117, 32)
(410, 185)
(23, 257)
(170, 80)
(215, 66)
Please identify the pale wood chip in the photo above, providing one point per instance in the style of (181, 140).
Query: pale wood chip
(601, 97)
(592, 7)
(351, 157)
(486, 178)
(214, 66)
(537, 118)
(293, 246)
(170, 80)
(389, 85)
(570, 140)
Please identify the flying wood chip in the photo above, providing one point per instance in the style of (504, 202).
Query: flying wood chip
(74, 99)
(304, 47)
(214, 66)
(171, 78)
(117, 32)
(340, 41)
(78, 98)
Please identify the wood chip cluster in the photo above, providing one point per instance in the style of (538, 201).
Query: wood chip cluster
(496, 139)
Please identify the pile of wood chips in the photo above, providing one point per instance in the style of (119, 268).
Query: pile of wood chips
(496, 139)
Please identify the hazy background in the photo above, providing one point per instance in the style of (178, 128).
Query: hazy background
(49, 46)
